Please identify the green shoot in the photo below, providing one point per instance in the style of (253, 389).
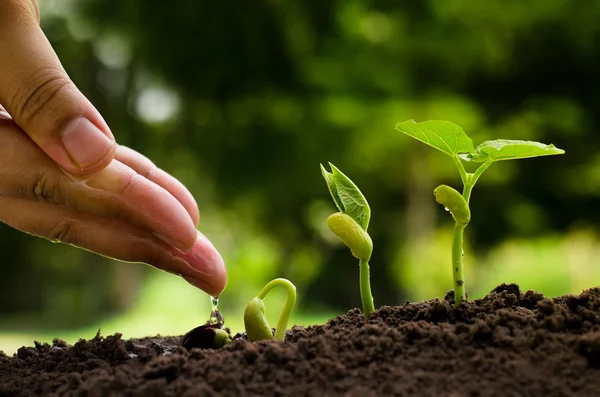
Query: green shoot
(257, 327)
(350, 225)
(452, 140)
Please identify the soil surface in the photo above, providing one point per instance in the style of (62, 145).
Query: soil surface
(507, 344)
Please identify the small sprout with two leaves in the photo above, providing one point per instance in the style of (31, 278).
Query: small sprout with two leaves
(257, 327)
(350, 225)
(452, 140)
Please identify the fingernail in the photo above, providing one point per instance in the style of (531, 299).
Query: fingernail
(203, 258)
(85, 143)
(172, 243)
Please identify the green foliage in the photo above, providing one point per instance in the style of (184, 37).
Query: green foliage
(442, 135)
(452, 140)
(347, 197)
(503, 149)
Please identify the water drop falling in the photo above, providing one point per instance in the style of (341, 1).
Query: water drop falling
(215, 315)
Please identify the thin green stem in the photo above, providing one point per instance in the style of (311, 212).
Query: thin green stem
(365, 288)
(461, 169)
(480, 171)
(457, 264)
(467, 191)
(471, 179)
(288, 305)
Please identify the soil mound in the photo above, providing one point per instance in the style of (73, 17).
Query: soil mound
(507, 344)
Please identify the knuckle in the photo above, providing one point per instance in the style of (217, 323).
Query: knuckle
(36, 99)
(148, 170)
(43, 188)
(128, 184)
(63, 232)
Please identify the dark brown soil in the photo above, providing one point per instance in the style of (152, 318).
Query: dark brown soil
(506, 344)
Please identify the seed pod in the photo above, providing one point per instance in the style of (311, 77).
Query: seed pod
(454, 202)
(208, 336)
(352, 234)
(257, 327)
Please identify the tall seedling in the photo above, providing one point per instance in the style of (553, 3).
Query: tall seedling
(452, 140)
(350, 225)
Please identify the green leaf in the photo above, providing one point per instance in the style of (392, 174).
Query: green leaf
(332, 188)
(442, 135)
(504, 149)
(347, 197)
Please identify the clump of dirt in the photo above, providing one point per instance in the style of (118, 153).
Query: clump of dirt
(507, 344)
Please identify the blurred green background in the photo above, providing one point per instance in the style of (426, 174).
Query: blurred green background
(242, 100)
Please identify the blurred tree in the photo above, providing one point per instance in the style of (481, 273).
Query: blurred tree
(242, 101)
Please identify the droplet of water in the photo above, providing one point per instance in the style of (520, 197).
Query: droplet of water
(446, 208)
(215, 315)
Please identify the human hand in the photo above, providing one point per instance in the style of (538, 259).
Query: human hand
(63, 177)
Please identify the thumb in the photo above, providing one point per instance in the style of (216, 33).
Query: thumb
(42, 99)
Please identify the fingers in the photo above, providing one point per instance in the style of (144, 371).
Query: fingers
(202, 266)
(117, 191)
(42, 99)
(143, 166)
(138, 201)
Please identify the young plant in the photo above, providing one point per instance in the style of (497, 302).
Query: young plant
(452, 140)
(257, 327)
(350, 225)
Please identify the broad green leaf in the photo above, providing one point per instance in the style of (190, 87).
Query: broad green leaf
(504, 149)
(442, 135)
(347, 197)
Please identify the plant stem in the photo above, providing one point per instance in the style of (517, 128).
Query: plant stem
(457, 264)
(467, 189)
(464, 176)
(288, 305)
(365, 288)
(472, 180)
(480, 170)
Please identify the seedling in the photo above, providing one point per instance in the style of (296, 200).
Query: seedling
(452, 140)
(350, 225)
(208, 336)
(257, 327)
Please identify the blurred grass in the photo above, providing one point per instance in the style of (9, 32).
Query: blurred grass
(551, 264)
